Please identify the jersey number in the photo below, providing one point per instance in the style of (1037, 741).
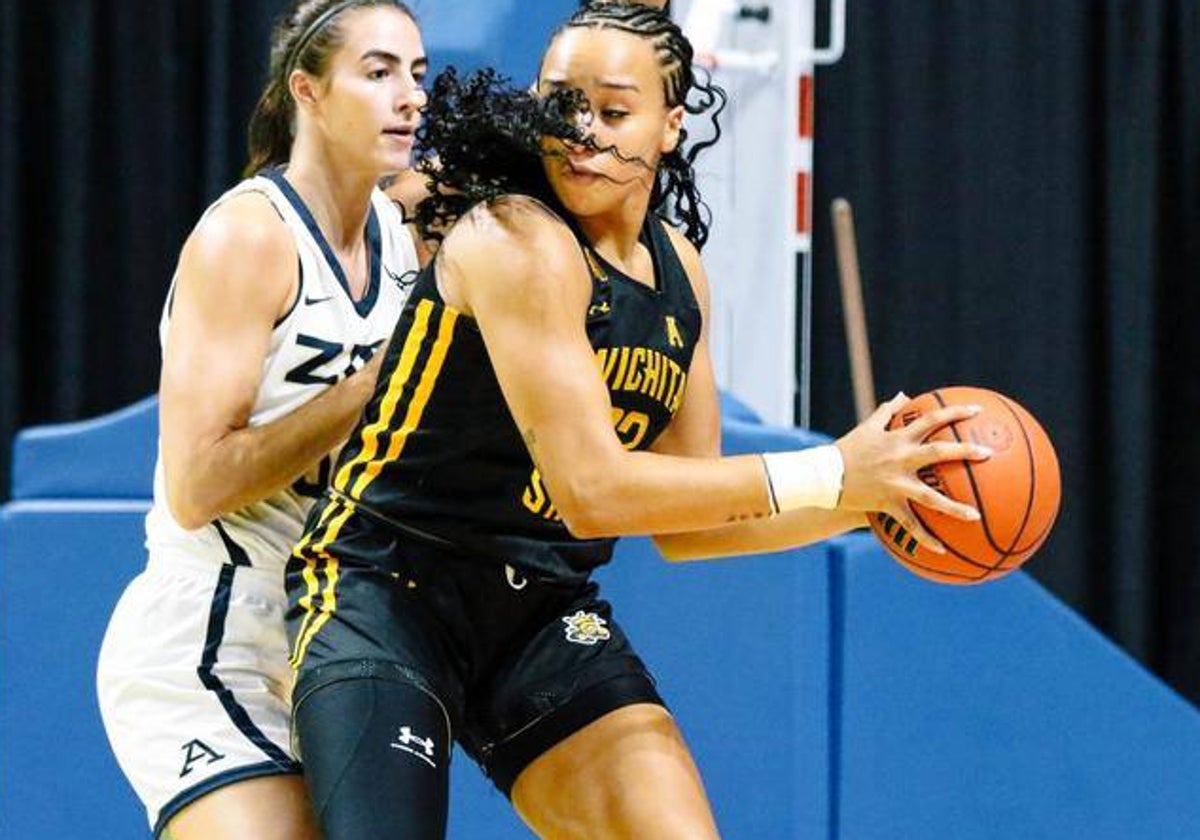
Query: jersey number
(313, 483)
(328, 351)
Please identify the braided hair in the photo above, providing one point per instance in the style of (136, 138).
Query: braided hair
(487, 135)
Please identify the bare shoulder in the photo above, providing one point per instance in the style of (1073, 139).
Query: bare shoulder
(515, 242)
(515, 222)
(244, 227)
(241, 254)
(689, 256)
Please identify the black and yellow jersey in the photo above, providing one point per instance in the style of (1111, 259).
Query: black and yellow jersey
(437, 453)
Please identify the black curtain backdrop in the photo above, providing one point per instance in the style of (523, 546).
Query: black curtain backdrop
(120, 121)
(1026, 183)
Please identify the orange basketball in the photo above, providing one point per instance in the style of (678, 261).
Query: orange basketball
(1016, 491)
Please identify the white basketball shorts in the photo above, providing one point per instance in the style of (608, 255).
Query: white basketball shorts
(194, 682)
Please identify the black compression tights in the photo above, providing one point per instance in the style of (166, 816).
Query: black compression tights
(376, 757)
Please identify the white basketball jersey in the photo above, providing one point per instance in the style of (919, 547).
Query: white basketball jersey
(323, 338)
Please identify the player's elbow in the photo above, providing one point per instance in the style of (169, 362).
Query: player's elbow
(186, 506)
(186, 513)
(590, 506)
(583, 527)
(585, 520)
(673, 549)
(201, 483)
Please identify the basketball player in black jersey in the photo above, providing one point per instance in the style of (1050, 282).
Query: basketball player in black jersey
(548, 389)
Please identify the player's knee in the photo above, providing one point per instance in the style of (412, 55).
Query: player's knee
(359, 736)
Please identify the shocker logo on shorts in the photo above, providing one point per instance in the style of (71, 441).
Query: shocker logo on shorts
(586, 628)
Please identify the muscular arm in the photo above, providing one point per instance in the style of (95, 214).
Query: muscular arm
(237, 275)
(521, 275)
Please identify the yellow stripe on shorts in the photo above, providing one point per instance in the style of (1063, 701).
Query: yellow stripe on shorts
(316, 560)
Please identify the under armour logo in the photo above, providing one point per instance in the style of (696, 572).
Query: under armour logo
(196, 750)
(408, 742)
(601, 308)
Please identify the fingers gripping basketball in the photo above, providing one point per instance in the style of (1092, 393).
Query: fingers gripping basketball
(1016, 491)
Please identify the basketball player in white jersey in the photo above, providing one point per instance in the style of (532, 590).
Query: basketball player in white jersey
(284, 294)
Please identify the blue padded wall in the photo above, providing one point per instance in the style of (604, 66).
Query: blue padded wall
(109, 457)
(63, 565)
(996, 712)
(826, 693)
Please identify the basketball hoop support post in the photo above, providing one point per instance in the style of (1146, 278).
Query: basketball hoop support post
(803, 58)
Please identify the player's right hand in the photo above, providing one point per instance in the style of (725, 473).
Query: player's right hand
(882, 465)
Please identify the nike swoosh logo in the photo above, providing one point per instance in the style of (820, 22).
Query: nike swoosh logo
(310, 301)
(402, 280)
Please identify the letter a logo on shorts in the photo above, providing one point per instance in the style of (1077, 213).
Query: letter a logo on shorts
(196, 750)
(586, 628)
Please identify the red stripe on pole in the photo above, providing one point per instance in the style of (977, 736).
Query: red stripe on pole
(807, 116)
(803, 216)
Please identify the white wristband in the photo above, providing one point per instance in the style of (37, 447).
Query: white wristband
(804, 479)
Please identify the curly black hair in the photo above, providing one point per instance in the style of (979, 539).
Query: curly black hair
(487, 135)
(480, 138)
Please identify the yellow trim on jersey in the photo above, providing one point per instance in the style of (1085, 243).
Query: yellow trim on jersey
(598, 273)
(311, 626)
(416, 408)
(399, 378)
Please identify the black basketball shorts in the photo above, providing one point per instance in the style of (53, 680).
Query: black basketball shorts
(515, 663)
